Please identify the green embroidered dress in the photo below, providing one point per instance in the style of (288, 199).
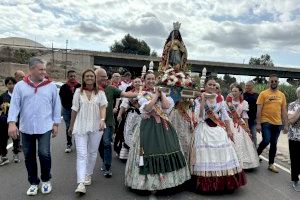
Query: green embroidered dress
(155, 161)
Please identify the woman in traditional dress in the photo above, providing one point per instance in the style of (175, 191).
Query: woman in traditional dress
(155, 160)
(214, 162)
(183, 119)
(129, 112)
(237, 109)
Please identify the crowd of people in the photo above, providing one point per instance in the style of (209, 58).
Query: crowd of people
(208, 142)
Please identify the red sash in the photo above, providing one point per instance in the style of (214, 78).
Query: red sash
(191, 119)
(214, 120)
(237, 120)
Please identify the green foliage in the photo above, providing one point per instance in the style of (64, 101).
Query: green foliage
(153, 53)
(131, 45)
(264, 60)
(22, 55)
(288, 90)
(228, 80)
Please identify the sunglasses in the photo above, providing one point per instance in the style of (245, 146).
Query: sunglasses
(274, 81)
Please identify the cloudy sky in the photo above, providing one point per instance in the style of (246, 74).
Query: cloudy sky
(215, 30)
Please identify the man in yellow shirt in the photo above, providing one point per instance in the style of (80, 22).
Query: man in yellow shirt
(271, 115)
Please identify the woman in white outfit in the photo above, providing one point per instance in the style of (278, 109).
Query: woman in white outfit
(87, 124)
(214, 163)
(237, 109)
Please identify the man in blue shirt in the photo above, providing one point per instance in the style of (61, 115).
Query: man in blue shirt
(36, 99)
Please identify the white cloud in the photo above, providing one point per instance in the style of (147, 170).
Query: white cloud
(227, 30)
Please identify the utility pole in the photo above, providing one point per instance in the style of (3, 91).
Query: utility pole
(52, 56)
(66, 58)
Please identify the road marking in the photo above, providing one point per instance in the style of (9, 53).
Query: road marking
(277, 165)
(9, 146)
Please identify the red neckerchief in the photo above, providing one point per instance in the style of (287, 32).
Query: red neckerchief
(72, 85)
(27, 80)
(102, 87)
(116, 84)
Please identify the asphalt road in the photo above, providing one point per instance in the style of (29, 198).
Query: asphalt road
(262, 184)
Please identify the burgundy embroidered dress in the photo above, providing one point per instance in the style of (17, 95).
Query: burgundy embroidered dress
(214, 162)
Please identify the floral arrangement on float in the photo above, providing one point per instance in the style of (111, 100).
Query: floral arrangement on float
(173, 77)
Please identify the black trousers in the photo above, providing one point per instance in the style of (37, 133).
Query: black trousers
(3, 138)
(294, 147)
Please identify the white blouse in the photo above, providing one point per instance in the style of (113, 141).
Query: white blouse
(88, 111)
(218, 108)
(143, 102)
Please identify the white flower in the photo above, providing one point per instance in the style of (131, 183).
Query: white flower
(164, 78)
(180, 74)
(173, 78)
(169, 70)
(170, 83)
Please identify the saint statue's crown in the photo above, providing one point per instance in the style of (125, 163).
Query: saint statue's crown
(176, 26)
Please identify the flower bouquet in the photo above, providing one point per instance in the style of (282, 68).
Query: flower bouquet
(177, 84)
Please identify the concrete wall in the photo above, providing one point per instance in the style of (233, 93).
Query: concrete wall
(77, 60)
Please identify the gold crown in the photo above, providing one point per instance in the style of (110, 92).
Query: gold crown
(176, 26)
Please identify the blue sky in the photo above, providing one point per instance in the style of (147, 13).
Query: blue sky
(215, 30)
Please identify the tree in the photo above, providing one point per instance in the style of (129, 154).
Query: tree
(264, 60)
(153, 53)
(22, 55)
(131, 45)
(228, 80)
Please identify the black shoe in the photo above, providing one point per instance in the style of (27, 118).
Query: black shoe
(107, 173)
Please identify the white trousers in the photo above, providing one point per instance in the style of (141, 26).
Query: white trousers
(87, 149)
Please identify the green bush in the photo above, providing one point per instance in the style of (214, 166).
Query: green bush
(288, 90)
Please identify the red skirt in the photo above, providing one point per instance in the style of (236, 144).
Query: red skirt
(220, 183)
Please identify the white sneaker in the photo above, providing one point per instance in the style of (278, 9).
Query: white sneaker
(88, 180)
(80, 189)
(68, 149)
(33, 190)
(4, 161)
(46, 187)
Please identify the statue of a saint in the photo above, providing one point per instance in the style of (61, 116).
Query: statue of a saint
(174, 53)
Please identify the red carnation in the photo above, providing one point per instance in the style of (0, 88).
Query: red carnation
(178, 84)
